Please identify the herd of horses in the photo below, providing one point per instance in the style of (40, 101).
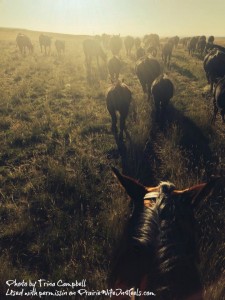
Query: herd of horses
(158, 251)
(148, 69)
(24, 43)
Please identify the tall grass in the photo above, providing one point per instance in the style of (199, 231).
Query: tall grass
(61, 209)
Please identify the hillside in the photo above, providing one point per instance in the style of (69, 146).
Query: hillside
(61, 209)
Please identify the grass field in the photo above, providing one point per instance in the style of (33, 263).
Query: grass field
(61, 209)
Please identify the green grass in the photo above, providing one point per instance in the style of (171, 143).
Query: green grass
(61, 209)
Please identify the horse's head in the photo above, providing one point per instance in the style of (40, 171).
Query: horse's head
(174, 208)
(165, 194)
(167, 264)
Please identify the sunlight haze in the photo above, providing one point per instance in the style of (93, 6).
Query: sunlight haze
(134, 17)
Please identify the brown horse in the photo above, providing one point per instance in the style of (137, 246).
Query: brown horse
(140, 52)
(45, 41)
(24, 42)
(128, 43)
(167, 53)
(118, 99)
(219, 99)
(147, 70)
(114, 68)
(158, 251)
(115, 44)
(92, 49)
(214, 66)
(162, 91)
(60, 47)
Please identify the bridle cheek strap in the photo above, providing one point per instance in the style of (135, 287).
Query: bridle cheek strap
(150, 199)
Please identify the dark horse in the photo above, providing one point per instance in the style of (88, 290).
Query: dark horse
(167, 53)
(158, 252)
(118, 99)
(219, 99)
(114, 68)
(162, 91)
(214, 66)
(60, 47)
(45, 41)
(24, 42)
(147, 70)
(92, 49)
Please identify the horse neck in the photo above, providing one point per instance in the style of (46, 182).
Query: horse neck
(134, 255)
(177, 256)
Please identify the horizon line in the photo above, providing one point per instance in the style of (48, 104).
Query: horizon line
(96, 34)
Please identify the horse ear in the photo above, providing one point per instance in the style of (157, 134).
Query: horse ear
(135, 190)
(206, 191)
(196, 194)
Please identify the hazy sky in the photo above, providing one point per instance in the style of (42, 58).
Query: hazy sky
(135, 17)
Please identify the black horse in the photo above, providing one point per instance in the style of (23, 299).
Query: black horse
(118, 99)
(147, 70)
(158, 252)
(167, 53)
(24, 43)
(214, 66)
(114, 68)
(162, 91)
(219, 99)
(45, 41)
(60, 47)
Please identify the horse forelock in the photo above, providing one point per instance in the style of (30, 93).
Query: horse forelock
(166, 187)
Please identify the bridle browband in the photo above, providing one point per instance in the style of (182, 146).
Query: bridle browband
(151, 196)
(163, 188)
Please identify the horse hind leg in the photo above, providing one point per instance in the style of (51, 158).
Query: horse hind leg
(114, 120)
(215, 111)
(122, 125)
(223, 115)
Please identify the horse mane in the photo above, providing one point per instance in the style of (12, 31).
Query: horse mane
(177, 255)
(136, 249)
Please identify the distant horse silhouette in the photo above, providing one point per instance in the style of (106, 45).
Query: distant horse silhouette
(162, 91)
(192, 45)
(128, 43)
(167, 53)
(152, 50)
(92, 49)
(45, 41)
(158, 251)
(118, 99)
(140, 52)
(24, 42)
(137, 42)
(115, 44)
(114, 68)
(60, 47)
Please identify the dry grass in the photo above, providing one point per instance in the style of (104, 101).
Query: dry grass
(61, 209)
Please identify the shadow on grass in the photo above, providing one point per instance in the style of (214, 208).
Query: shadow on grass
(192, 138)
(183, 71)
